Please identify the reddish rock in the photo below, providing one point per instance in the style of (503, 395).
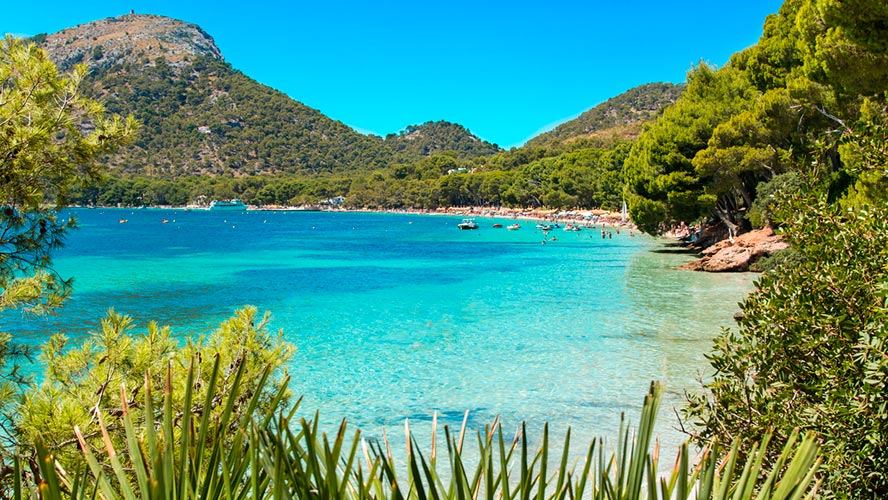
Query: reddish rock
(737, 255)
(730, 259)
(694, 265)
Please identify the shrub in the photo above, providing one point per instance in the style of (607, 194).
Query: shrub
(268, 457)
(810, 351)
(81, 385)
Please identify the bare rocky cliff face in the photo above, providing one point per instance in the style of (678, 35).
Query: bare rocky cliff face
(133, 38)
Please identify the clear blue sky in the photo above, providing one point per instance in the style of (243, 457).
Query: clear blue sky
(506, 70)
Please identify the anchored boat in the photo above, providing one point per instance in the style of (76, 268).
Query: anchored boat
(230, 206)
(468, 224)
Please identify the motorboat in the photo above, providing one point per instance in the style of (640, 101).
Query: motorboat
(468, 224)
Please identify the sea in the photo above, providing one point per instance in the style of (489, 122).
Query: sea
(401, 316)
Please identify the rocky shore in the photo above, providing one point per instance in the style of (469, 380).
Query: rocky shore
(739, 254)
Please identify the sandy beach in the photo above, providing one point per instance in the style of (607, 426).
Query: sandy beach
(595, 216)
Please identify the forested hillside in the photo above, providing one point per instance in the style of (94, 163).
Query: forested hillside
(210, 119)
(209, 131)
(619, 117)
(417, 141)
(200, 116)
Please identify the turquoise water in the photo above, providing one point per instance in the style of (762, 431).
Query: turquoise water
(397, 316)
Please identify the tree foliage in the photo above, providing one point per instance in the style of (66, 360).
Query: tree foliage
(51, 136)
(660, 167)
(81, 385)
(811, 351)
(779, 106)
(584, 177)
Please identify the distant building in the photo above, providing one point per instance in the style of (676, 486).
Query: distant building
(458, 171)
(203, 129)
(335, 202)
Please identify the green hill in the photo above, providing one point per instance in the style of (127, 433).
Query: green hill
(209, 131)
(201, 116)
(437, 137)
(620, 117)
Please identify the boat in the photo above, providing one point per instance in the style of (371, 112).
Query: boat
(468, 224)
(497, 225)
(514, 227)
(230, 206)
(548, 227)
(572, 227)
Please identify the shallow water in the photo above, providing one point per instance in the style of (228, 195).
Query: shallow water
(397, 316)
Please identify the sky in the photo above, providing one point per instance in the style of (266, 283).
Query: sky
(506, 70)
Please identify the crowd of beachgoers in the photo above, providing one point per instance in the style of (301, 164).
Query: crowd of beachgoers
(596, 216)
(684, 232)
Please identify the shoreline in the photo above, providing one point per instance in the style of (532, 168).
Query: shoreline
(594, 216)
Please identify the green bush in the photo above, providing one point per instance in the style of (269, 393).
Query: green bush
(786, 257)
(268, 456)
(761, 211)
(82, 384)
(810, 351)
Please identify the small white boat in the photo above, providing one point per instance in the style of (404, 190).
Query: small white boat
(468, 224)
(572, 227)
(514, 227)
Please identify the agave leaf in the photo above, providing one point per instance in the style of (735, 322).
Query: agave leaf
(94, 466)
(135, 450)
(116, 466)
(49, 488)
(563, 471)
(544, 461)
(204, 425)
(17, 471)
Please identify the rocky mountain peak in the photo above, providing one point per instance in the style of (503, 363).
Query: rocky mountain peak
(130, 38)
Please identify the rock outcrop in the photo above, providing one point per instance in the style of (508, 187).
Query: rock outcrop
(133, 38)
(737, 256)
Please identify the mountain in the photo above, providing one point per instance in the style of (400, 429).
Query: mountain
(437, 137)
(201, 116)
(127, 39)
(622, 116)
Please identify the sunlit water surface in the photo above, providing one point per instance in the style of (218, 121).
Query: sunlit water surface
(398, 316)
